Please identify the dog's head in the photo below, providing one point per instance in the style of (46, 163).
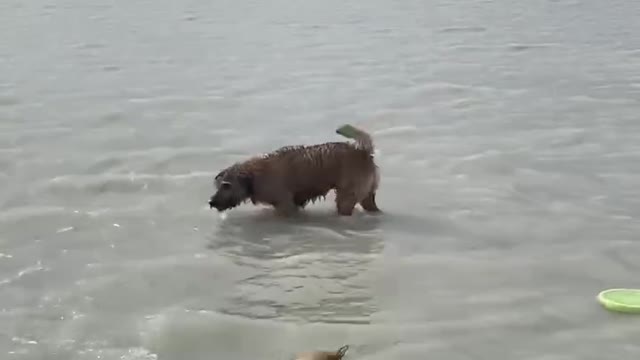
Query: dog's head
(232, 189)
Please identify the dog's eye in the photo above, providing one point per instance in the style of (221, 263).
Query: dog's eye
(225, 185)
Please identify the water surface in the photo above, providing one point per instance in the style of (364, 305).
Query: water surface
(508, 138)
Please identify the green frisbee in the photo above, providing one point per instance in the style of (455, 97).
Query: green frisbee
(621, 300)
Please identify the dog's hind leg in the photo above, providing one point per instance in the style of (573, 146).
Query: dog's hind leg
(345, 202)
(300, 200)
(369, 203)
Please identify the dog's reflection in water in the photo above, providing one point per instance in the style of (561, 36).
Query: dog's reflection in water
(264, 235)
(316, 266)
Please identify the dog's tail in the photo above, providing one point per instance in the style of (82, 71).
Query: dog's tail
(362, 138)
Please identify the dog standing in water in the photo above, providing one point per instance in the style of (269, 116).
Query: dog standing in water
(292, 176)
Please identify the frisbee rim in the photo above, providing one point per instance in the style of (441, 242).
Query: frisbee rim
(617, 305)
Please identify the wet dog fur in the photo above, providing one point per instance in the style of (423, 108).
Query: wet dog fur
(291, 177)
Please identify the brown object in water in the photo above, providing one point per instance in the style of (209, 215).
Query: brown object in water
(323, 355)
(292, 176)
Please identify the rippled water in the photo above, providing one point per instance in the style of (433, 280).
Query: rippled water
(509, 140)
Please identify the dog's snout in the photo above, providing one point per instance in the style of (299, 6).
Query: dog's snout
(212, 203)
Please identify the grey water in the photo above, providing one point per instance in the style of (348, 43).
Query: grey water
(508, 137)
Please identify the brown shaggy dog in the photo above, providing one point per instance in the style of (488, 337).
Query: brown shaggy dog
(292, 176)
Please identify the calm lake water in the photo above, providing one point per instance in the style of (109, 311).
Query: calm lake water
(509, 143)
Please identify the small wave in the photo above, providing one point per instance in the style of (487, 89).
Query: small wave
(120, 183)
(9, 100)
(615, 101)
(139, 354)
(177, 330)
(23, 341)
(88, 46)
(171, 99)
(462, 88)
(525, 47)
(463, 29)
(20, 213)
(394, 130)
(168, 151)
(64, 230)
(11, 151)
(472, 48)
(22, 273)
(211, 334)
(158, 155)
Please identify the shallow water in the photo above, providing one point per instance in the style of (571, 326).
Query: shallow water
(508, 138)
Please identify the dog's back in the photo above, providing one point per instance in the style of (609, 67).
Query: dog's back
(311, 171)
(326, 163)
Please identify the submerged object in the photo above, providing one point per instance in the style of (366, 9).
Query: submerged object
(323, 355)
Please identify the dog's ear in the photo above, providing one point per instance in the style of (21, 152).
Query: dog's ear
(247, 182)
(218, 179)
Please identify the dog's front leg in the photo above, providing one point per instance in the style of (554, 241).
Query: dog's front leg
(345, 202)
(286, 207)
